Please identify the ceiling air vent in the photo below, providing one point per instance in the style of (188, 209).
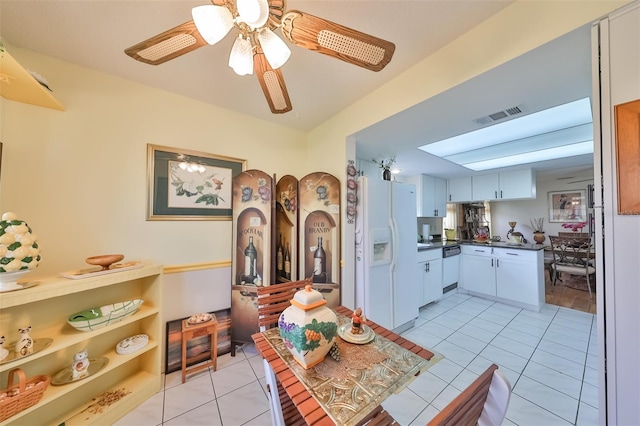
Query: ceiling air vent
(500, 115)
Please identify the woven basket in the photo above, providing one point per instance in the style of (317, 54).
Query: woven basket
(22, 398)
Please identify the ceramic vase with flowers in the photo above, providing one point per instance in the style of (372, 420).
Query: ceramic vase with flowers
(19, 251)
(537, 224)
(385, 165)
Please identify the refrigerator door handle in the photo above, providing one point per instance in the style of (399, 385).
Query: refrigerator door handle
(394, 243)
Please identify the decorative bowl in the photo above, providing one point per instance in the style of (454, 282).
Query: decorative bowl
(95, 318)
(104, 260)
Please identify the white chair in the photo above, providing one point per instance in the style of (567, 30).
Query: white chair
(484, 402)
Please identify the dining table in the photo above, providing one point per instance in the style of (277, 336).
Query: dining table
(349, 389)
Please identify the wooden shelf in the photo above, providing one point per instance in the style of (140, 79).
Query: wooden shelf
(46, 307)
(17, 84)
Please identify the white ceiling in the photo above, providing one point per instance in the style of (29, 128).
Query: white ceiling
(94, 33)
(551, 75)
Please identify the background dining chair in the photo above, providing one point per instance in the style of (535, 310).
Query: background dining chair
(484, 402)
(572, 256)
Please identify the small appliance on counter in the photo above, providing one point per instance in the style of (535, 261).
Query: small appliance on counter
(426, 233)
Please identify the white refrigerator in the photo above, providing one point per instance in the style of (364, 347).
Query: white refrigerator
(387, 279)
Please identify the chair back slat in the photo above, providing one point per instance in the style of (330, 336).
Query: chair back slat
(571, 251)
(275, 298)
(467, 407)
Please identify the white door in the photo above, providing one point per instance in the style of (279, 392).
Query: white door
(405, 280)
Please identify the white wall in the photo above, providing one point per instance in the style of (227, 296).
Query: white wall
(620, 83)
(521, 211)
(517, 29)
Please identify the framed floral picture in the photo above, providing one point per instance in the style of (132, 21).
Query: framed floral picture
(189, 185)
(567, 206)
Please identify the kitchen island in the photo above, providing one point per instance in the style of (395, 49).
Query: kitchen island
(500, 271)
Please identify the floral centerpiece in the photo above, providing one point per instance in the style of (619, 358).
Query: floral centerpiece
(386, 167)
(575, 227)
(537, 226)
(19, 250)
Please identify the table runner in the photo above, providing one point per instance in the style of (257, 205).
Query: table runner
(351, 394)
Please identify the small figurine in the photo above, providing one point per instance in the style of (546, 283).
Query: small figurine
(80, 367)
(357, 318)
(24, 346)
(3, 351)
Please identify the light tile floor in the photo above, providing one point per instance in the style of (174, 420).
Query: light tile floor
(549, 357)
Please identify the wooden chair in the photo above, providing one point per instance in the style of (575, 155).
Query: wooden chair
(484, 402)
(572, 255)
(272, 300)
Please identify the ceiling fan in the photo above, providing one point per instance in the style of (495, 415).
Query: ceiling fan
(257, 48)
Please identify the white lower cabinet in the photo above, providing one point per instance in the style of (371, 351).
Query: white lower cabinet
(479, 274)
(430, 271)
(511, 275)
(46, 307)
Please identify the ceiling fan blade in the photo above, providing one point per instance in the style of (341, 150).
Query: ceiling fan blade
(335, 40)
(167, 45)
(272, 83)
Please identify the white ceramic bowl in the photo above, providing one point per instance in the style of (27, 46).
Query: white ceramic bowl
(95, 318)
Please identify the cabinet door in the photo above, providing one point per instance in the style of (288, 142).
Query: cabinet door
(422, 274)
(517, 184)
(432, 281)
(478, 274)
(485, 187)
(460, 190)
(517, 280)
(419, 182)
(440, 197)
(428, 196)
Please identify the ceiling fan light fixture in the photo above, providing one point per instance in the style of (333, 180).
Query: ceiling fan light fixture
(241, 57)
(253, 12)
(213, 22)
(276, 50)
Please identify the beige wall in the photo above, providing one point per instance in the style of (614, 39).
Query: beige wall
(79, 177)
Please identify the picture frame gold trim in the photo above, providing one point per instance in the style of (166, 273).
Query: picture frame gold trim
(173, 195)
(573, 210)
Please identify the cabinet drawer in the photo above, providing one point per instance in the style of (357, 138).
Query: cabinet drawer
(426, 255)
(477, 250)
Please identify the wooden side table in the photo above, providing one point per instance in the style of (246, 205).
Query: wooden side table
(191, 331)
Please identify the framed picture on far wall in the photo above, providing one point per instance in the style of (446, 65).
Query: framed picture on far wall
(189, 185)
(0, 159)
(567, 206)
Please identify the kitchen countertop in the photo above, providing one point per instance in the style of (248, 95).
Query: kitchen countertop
(439, 244)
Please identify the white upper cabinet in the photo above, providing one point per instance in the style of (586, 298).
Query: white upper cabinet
(511, 185)
(431, 195)
(518, 184)
(459, 190)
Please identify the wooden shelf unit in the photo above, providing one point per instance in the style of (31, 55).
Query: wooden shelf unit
(17, 84)
(46, 307)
